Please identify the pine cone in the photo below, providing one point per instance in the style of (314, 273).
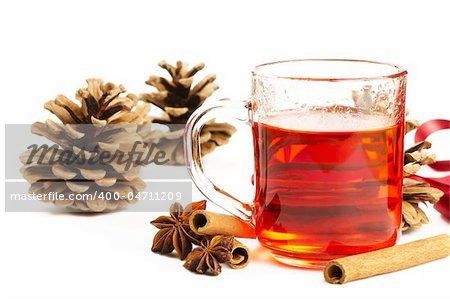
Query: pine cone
(178, 98)
(106, 121)
(415, 192)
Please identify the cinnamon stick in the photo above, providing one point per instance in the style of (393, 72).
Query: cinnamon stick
(387, 260)
(240, 254)
(209, 223)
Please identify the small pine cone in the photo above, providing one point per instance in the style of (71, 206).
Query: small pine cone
(178, 98)
(416, 192)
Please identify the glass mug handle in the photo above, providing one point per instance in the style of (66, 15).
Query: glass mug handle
(192, 151)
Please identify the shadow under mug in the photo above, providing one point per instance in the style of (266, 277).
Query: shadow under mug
(328, 147)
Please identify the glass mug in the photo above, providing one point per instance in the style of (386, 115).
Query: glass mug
(328, 148)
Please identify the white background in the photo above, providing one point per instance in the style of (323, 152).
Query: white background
(50, 47)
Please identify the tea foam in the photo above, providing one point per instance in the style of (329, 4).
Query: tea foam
(325, 121)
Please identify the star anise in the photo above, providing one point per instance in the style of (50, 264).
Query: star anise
(174, 231)
(207, 257)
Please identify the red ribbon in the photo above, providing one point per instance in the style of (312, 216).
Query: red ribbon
(428, 128)
(442, 183)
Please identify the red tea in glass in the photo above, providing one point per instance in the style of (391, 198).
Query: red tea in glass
(328, 150)
(327, 186)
